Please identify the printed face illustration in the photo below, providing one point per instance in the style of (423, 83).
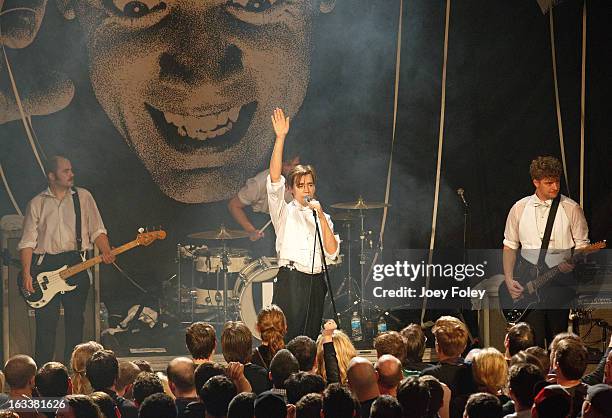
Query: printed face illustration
(191, 84)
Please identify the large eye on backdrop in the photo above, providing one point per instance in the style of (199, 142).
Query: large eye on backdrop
(136, 8)
(253, 5)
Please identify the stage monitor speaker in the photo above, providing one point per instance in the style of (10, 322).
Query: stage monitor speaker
(18, 321)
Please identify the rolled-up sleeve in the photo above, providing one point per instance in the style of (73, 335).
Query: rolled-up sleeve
(29, 237)
(334, 255)
(511, 232)
(95, 225)
(251, 192)
(276, 200)
(579, 226)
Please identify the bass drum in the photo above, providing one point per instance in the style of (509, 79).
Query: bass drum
(254, 290)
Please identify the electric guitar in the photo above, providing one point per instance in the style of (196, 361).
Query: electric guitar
(533, 279)
(47, 284)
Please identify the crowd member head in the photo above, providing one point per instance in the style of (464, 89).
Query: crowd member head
(490, 370)
(483, 405)
(598, 402)
(525, 357)
(309, 406)
(345, 351)
(415, 339)
(281, 367)
(201, 341)
(519, 337)
(272, 327)
(217, 393)
(542, 356)
(236, 342)
(522, 379)
(105, 403)
(552, 401)
(414, 397)
(242, 406)
(143, 365)
(436, 394)
(389, 370)
(386, 407)
(79, 406)
(338, 402)
(204, 372)
(304, 349)
(102, 370)
(362, 379)
(451, 337)
(78, 361)
(270, 405)
(552, 348)
(146, 384)
(391, 342)
(157, 405)
(19, 372)
(570, 360)
(302, 383)
(180, 372)
(125, 381)
(52, 380)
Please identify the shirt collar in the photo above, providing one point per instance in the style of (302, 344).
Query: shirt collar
(47, 192)
(535, 201)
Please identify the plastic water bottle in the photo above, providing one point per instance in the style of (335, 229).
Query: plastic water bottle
(356, 332)
(382, 325)
(103, 317)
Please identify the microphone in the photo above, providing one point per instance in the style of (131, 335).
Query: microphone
(461, 193)
(308, 199)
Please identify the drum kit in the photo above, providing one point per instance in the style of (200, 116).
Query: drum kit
(226, 283)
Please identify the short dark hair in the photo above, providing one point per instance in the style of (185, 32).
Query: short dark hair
(436, 394)
(200, 339)
(572, 355)
(128, 371)
(52, 163)
(309, 406)
(525, 357)
(242, 406)
(19, 370)
(483, 405)
(217, 394)
(158, 405)
(414, 397)
(236, 342)
(143, 365)
(105, 403)
(282, 365)
(522, 378)
(542, 355)
(339, 402)
(414, 337)
(52, 380)
(304, 349)
(545, 167)
(391, 342)
(204, 372)
(302, 383)
(102, 369)
(520, 337)
(180, 372)
(83, 406)
(146, 384)
(386, 406)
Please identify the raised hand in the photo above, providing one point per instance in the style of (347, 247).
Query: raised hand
(280, 123)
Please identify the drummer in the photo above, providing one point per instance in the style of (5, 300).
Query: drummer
(300, 286)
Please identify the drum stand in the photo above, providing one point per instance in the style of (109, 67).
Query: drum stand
(224, 270)
(348, 279)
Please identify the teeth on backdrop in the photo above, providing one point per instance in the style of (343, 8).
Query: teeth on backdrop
(233, 113)
(203, 127)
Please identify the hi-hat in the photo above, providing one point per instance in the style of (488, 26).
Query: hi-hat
(360, 204)
(220, 233)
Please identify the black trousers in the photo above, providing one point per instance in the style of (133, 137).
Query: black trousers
(74, 307)
(301, 297)
(546, 323)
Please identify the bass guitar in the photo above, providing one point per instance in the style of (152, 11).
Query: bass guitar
(47, 284)
(533, 279)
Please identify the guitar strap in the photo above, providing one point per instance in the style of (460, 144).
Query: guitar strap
(77, 212)
(548, 231)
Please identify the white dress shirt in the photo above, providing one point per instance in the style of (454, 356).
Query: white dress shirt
(49, 224)
(526, 224)
(295, 231)
(254, 193)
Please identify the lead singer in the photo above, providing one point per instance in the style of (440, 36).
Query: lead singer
(300, 285)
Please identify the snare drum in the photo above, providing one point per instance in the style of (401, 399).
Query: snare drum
(211, 261)
(254, 290)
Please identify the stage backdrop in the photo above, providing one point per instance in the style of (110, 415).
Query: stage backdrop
(164, 109)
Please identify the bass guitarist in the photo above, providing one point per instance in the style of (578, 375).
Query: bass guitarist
(526, 227)
(53, 221)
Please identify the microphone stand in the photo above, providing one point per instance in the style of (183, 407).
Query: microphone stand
(325, 270)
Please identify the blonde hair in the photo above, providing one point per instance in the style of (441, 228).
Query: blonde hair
(272, 327)
(78, 361)
(345, 351)
(490, 370)
(451, 335)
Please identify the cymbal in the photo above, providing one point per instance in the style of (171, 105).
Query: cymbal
(360, 204)
(220, 233)
(343, 217)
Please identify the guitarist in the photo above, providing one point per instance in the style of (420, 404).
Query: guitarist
(526, 227)
(49, 241)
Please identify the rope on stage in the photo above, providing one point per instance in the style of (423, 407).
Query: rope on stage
(583, 101)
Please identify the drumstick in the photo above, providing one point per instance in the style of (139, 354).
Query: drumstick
(265, 226)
